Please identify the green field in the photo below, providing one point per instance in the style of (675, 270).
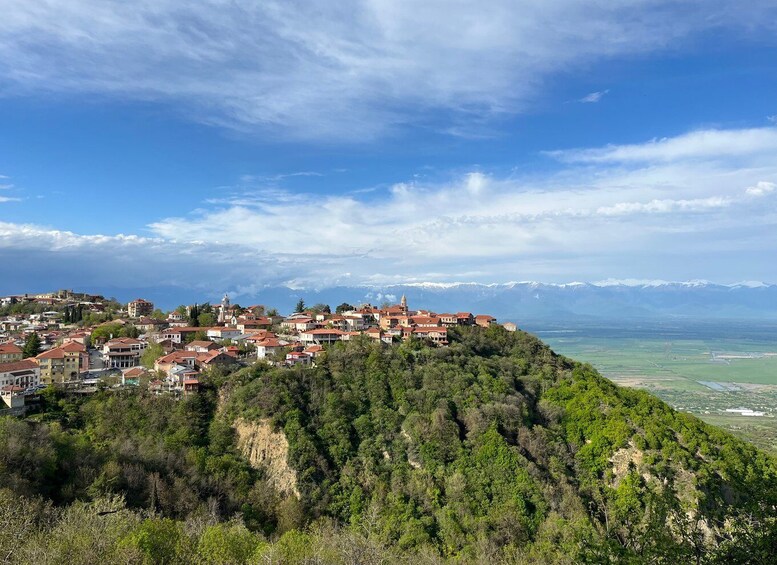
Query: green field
(704, 372)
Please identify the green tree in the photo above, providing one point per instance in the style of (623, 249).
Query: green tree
(194, 316)
(344, 307)
(228, 543)
(206, 320)
(160, 540)
(300, 307)
(153, 352)
(321, 308)
(31, 345)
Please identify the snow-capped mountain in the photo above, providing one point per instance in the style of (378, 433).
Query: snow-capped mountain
(535, 300)
(525, 300)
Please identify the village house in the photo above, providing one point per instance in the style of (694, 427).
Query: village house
(378, 335)
(321, 336)
(298, 358)
(138, 308)
(80, 336)
(484, 320)
(215, 359)
(510, 327)
(167, 362)
(146, 324)
(301, 324)
(123, 352)
(132, 376)
(10, 353)
(247, 324)
(23, 373)
(201, 346)
(268, 347)
(436, 335)
(63, 363)
(448, 320)
(177, 320)
(191, 361)
(255, 337)
(178, 335)
(313, 351)
(190, 386)
(465, 319)
(425, 321)
(223, 333)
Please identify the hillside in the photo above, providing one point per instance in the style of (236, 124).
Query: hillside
(492, 449)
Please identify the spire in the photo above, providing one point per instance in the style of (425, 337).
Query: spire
(403, 302)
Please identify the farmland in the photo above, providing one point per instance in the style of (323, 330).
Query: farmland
(702, 368)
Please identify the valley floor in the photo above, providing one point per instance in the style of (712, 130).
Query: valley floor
(723, 372)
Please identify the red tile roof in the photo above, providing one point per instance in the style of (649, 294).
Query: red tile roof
(9, 348)
(18, 365)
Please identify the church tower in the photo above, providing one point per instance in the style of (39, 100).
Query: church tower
(224, 309)
(403, 303)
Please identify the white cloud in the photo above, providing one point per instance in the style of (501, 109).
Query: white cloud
(594, 97)
(619, 207)
(679, 217)
(702, 144)
(761, 188)
(351, 69)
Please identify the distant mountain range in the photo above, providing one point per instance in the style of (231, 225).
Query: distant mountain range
(607, 300)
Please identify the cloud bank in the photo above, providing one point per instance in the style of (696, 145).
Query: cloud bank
(702, 204)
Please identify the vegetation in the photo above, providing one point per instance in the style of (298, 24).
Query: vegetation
(107, 331)
(31, 345)
(153, 352)
(491, 450)
(344, 307)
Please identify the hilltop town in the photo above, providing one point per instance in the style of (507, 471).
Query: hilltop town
(82, 342)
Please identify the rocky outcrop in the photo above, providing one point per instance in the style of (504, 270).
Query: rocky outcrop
(268, 450)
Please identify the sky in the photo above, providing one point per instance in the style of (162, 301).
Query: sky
(230, 145)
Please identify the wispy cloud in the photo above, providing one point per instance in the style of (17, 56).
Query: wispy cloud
(278, 176)
(702, 144)
(350, 70)
(593, 97)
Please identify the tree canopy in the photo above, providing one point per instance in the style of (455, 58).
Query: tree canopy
(493, 449)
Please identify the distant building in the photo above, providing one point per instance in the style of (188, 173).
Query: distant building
(24, 374)
(64, 363)
(138, 308)
(510, 327)
(10, 353)
(132, 376)
(123, 352)
(484, 321)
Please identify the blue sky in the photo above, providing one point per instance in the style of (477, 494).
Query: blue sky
(229, 145)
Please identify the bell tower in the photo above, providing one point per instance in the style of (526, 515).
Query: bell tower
(224, 309)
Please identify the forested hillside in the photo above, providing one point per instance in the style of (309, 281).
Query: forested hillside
(491, 449)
